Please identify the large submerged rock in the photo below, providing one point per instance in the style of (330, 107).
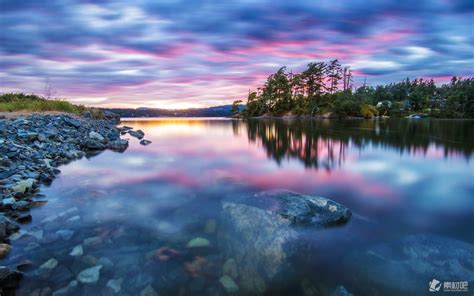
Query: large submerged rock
(302, 210)
(407, 265)
(262, 231)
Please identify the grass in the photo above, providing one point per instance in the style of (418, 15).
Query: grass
(12, 102)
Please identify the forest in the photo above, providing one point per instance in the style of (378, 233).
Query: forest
(327, 90)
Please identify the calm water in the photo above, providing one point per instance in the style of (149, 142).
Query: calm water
(408, 183)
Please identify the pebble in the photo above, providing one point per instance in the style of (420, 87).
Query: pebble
(148, 291)
(229, 285)
(89, 275)
(77, 251)
(198, 242)
(50, 264)
(115, 284)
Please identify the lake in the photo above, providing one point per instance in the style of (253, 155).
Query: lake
(160, 218)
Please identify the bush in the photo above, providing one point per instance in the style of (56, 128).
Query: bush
(368, 111)
(11, 102)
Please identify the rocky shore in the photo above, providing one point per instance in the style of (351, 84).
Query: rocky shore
(31, 149)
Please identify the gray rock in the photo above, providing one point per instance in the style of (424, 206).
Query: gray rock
(115, 284)
(230, 268)
(137, 134)
(302, 210)
(90, 276)
(96, 136)
(145, 142)
(198, 242)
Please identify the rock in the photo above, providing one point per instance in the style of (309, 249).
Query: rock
(9, 279)
(260, 241)
(72, 122)
(90, 276)
(229, 285)
(145, 142)
(21, 205)
(77, 251)
(7, 227)
(118, 145)
(96, 136)
(412, 260)
(341, 291)
(148, 291)
(115, 284)
(23, 218)
(50, 264)
(92, 241)
(198, 242)
(24, 185)
(68, 290)
(8, 202)
(230, 268)
(24, 265)
(4, 250)
(106, 263)
(301, 210)
(137, 134)
(65, 234)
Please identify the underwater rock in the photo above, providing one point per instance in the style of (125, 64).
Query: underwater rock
(115, 284)
(230, 268)
(50, 264)
(68, 290)
(301, 210)
(413, 260)
(198, 242)
(228, 283)
(148, 291)
(77, 251)
(90, 275)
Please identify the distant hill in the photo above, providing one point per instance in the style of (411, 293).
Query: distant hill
(217, 111)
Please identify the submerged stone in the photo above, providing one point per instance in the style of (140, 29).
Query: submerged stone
(412, 260)
(115, 284)
(90, 275)
(198, 242)
(50, 264)
(148, 291)
(77, 251)
(228, 283)
(301, 210)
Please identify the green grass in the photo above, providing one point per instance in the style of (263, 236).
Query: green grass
(11, 102)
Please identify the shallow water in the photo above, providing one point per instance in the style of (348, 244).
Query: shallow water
(135, 213)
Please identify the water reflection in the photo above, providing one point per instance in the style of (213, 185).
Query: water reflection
(324, 143)
(136, 214)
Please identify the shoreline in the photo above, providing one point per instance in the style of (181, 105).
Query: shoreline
(32, 147)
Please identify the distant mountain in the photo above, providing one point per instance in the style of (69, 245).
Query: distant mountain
(217, 111)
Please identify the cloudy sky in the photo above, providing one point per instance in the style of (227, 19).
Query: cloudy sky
(177, 54)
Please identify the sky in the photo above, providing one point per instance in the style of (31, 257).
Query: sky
(180, 54)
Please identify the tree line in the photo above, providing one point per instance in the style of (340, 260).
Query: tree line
(327, 89)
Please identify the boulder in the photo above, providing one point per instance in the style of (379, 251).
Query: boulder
(406, 266)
